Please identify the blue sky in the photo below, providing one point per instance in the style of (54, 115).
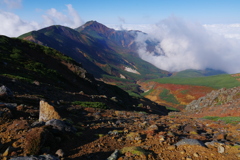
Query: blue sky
(35, 14)
(134, 11)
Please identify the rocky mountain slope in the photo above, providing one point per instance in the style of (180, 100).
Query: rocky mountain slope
(223, 102)
(103, 51)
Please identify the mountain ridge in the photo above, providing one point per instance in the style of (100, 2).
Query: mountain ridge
(109, 53)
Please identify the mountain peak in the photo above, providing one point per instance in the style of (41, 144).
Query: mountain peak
(96, 26)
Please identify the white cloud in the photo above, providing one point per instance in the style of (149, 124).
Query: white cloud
(72, 20)
(141, 27)
(227, 30)
(76, 19)
(185, 45)
(12, 25)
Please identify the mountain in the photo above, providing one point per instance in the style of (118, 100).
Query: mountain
(107, 54)
(43, 72)
(111, 56)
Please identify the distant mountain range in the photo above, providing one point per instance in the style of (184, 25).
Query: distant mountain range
(112, 57)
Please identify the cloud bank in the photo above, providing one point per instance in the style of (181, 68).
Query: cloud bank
(185, 45)
(227, 30)
(13, 25)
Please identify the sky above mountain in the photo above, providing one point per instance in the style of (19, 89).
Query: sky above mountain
(19, 16)
(193, 34)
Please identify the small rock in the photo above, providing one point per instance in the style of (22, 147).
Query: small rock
(190, 142)
(133, 136)
(219, 136)
(170, 134)
(6, 153)
(114, 155)
(189, 128)
(171, 147)
(195, 154)
(153, 127)
(6, 113)
(238, 155)
(16, 144)
(221, 149)
(37, 124)
(60, 153)
(161, 138)
(14, 153)
(5, 92)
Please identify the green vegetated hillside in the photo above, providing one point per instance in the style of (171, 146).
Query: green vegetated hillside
(37, 71)
(197, 73)
(217, 81)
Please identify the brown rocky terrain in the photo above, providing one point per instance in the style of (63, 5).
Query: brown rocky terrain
(60, 130)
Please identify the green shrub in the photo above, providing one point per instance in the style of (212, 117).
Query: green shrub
(172, 109)
(16, 56)
(18, 77)
(217, 81)
(167, 96)
(134, 150)
(228, 119)
(91, 104)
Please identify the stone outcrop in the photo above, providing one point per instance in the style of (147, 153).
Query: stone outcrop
(62, 126)
(47, 112)
(5, 92)
(215, 98)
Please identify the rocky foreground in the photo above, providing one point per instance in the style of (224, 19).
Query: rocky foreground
(55, 130)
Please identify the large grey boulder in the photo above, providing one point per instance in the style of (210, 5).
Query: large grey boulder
(62, 126)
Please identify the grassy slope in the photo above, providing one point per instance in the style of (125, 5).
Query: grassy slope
(21, 63)
(217, 82)
(197, 73)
